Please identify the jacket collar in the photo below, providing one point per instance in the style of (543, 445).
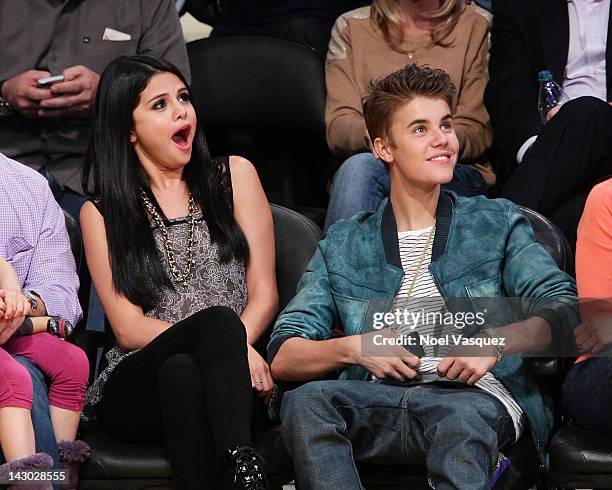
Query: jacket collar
(388, 229)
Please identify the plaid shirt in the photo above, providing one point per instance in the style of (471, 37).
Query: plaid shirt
(34, 240)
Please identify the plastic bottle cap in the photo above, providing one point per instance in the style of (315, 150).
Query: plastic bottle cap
(545, 76)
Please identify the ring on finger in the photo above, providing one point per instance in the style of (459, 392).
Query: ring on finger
(258, 381)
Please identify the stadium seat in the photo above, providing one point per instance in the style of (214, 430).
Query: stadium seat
(116, 464)
(264, 98)
(119, 465)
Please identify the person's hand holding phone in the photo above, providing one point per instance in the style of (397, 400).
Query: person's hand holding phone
(75, 94)
(24, 94)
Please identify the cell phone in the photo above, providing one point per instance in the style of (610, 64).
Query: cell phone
(48, 81)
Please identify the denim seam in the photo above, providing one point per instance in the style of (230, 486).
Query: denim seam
(344, 432)
(469, 288)
(466, 272)
(407, 413)
(360, 285)
(503, 421)
(344, 296)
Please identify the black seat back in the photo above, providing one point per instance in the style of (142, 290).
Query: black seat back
(76, 240)
(258, 80)
(296, 238)
(264, 98)
(552, 239)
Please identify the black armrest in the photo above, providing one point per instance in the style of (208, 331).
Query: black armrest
(90, 342)
(544, 366)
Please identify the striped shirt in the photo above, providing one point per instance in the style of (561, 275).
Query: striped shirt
(426, 302)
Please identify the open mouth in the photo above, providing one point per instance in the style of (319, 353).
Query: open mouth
(181, 137)
(440, 158)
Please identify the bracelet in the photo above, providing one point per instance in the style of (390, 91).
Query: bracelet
(31, 299)
(59, 327)
(498, 348)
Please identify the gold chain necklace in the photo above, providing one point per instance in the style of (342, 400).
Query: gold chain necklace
(420, 264)
(167, 241)
(406, 299)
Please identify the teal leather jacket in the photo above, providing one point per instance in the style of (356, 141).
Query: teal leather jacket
(482, 248)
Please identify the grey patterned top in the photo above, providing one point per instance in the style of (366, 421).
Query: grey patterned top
(212, 283)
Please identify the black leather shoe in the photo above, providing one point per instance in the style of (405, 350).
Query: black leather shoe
(246, 469)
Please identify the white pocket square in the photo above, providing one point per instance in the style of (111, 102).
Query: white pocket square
(113, 35)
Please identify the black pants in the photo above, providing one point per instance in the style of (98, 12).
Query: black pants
(572, 153)
(190, 388)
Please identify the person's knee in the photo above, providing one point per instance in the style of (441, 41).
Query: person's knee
(69, 378)
(301, 413)
(221, 321)
(587, 107)
(15, 386)
(75, 365)
(306, 401)
(227, 322)
(211, 330)
(477, 419)
(360, 167)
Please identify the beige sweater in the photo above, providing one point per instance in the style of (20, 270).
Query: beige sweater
(358, 53)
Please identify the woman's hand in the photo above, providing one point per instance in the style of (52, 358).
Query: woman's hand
(261, 379)
(13, 305)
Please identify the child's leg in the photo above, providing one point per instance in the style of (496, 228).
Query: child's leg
(16, 431)
(67, 367)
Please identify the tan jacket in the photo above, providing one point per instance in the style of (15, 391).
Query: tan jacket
(358, 53)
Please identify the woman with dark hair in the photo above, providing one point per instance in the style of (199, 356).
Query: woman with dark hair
(181, 252)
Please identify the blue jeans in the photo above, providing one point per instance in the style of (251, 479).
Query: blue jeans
(41, 419)
(455, 430)
(362, 182)
(587, 393)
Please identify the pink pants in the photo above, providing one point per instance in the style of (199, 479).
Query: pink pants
(65, 366)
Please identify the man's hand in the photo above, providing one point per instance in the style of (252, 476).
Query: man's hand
(385, 362)
(467, 369)
(13, 305)
(75, 94)
(552, 112)
(261, 379)
(594, 335)
(23, 94)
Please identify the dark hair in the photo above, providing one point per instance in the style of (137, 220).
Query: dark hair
(136, 266)
(387, 95)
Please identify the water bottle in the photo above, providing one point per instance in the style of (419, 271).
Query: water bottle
(551, 94)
